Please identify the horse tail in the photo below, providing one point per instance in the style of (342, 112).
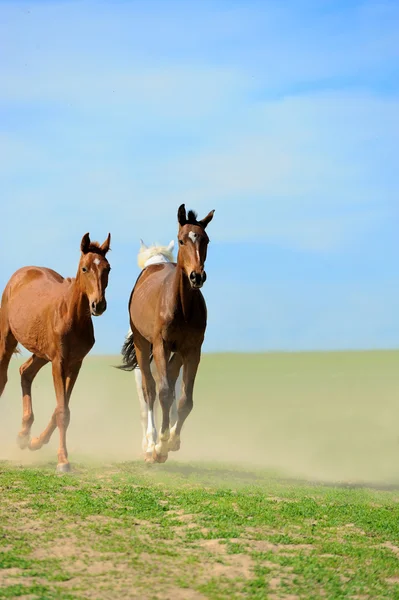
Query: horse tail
(129, 358)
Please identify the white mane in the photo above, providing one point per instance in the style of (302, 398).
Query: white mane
(151, 255)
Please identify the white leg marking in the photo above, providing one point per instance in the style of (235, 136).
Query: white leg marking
(143, 407)
(151, 432)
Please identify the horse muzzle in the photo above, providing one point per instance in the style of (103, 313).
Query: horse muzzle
(197, 280)
(98, 308)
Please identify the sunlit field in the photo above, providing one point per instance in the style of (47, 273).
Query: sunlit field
(285, 485)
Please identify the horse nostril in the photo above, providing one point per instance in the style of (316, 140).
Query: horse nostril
(193, 276)
(93, 305)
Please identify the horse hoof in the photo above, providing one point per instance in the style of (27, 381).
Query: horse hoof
(35, 444)
(159, 458)
(174, 445)
(63, 468)
(23, 441)
(148, 458)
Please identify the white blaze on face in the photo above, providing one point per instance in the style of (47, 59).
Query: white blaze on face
(194, 237)
(96, 261)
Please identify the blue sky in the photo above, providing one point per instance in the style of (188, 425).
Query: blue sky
(283, 116)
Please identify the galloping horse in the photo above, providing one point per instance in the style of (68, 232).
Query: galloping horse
(51, 317)
(152, 255)
(168, 319)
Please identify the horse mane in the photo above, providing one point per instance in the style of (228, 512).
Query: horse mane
(192, 217)
(95, 248)
(147, 253)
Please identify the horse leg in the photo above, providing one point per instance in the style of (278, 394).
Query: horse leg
(62, 416)
(45, 436)
(8, 344)
(143, 349)
(156, 401)
(161, 357)
(72, 375)
(174, 367)
(28, 372)
(143, 408)
(190, 367)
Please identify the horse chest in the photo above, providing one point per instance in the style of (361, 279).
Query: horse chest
(79, 340)
(178, 330)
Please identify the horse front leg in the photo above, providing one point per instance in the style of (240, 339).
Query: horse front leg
(161, 357)
(61, 414)
(45, 436)
(174, 377)
(190, 367)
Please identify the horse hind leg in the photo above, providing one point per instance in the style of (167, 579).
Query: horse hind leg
(149, 393)
(8, 346)
(143, 408)
(28, 372)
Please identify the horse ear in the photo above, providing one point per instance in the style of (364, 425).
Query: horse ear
(85, 243)
(171, 245)
(105, 246)
(142, 245)
(205, 221)
(181, 215)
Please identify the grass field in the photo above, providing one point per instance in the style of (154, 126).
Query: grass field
(285, 486)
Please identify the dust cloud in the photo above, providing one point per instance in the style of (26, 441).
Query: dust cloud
(330, 417)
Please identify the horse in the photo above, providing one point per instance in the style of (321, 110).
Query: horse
(52, 318)
(152, 255)
(168, 321)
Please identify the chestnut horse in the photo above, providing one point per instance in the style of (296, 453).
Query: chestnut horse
(168, 320)
(152, 255)
(51, 317)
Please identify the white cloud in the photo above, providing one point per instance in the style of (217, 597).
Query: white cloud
(317, 171)
(314, 171)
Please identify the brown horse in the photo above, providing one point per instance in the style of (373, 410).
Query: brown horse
(51, 317)
(168, 320)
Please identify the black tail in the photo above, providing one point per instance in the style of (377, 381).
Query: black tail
(129, 358)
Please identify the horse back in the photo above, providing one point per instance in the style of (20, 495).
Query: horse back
(144, 298)
(31, 302)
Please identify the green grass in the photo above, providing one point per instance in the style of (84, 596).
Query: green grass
(238, 511)
(168, 531)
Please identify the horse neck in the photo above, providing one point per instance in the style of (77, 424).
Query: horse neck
(183, 293)
(79, 310)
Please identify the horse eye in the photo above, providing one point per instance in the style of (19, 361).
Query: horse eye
(84, 269)
(181, 242)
